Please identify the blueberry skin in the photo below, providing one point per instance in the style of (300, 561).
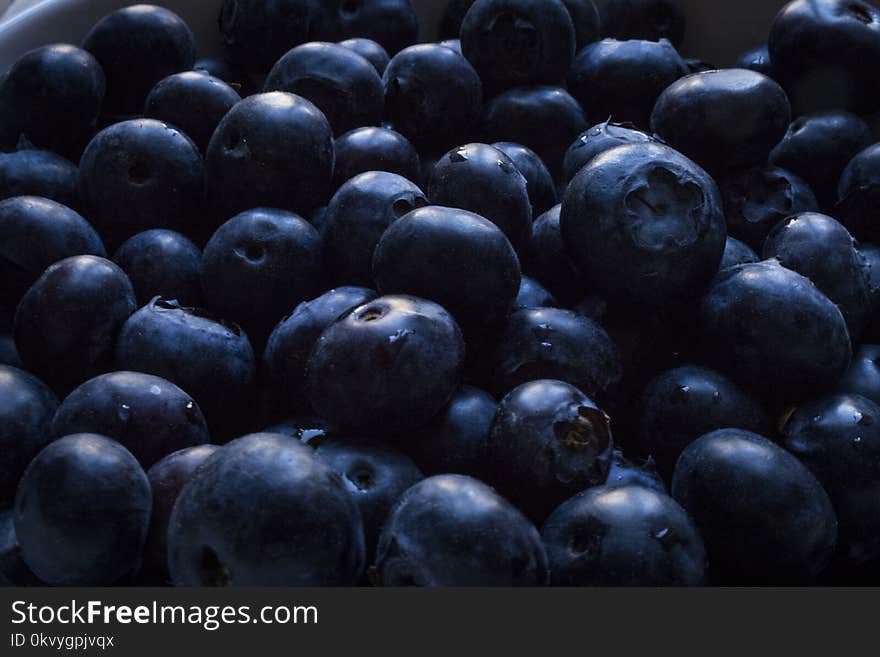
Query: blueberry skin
(162, 263)
(210, 359)
(13, 570)
(817, 148)
(193, 102)
(34, 234)
(137, 46)
(66, 325)
(513, 43)
(533, 295)
(456, 439)
(455, 44)
(622, 80)
(624, 472)
(548, 262)
(863, 376)
(756, 59)
(838, 439)
(141, 174)
(483, 180)
(643, 19)
(548, 442)
(539, 182)
(341, 83)
(392, 363)
(764, 517)
(149, 416)
(826, 54)
(82, 511)
(772, 329)
(545, 119)
(585, 18)
(818, 247)
(374, 149)
(52, 95)
(292, 341)
(433, 96)
(737, 253)
(724, 119)
(452, 530)
(481, 270)
(623, 536)
(271, 150)
(758, 199)
(26, 409)
(683, 404)
(645, 225)
(871, 256)
(859, 193)
(167, 478)
(259, 265)
(595, 141)
(39, 173)
(257, 33)
(358, 215)
(265, 510)
(375, 475)
(550, 343)
(369, 50)
(394, 24)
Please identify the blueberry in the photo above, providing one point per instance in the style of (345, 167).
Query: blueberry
(454, 44)
(548, 442)
(533, 295)
(34, 234)
(341, 83)
(859, 193)
(256, 34)
(433, 95)
(756, 59)
(369, 50)
(52, 95)
(482, 179)
(26, 409)
(772, 329)
(643, 19)
(622, 80)
(357, 217)
(82, 511)
(623, 536)
(265, 511)
(481, 270)
(66, 325)
(764, 517)
(162, 263)
(624, 472)
(723, 119)
(193, 102)
(595, 141)
(683, 404)
(452, 530)
(513, 43)
(756, 200)
(545, 119)
(456, 439)
(210, 359)
(31, 172)
(838, 439)
(167, 478)
(149, 416)
(585, 18)
(818, 247)
(817, 148)
(13, 569)
(644, 224)
(863, 376)
(871, 256)
(550, 343)
(390, 365)
(375, 475)
(539, 182)
(826, 54)
(137, 46)
(292, 341)
(737, 253)
(259, 265)
(391, 23)
(548, 262)
(374, 149)
(271, 150)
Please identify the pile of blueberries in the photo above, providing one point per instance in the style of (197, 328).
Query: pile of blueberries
(542, 303)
